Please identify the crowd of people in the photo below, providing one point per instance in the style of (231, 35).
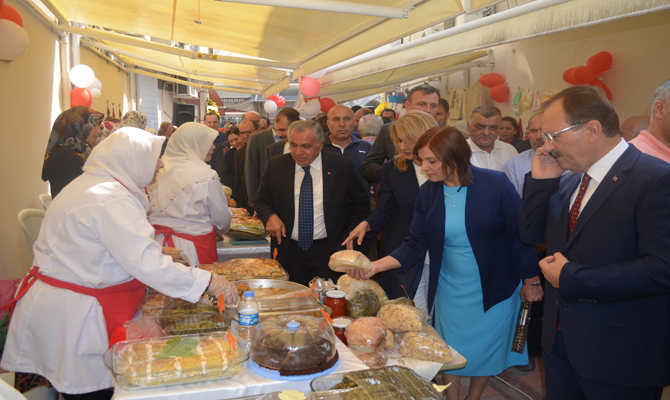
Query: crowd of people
(468, 225)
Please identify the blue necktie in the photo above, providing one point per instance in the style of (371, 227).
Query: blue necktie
(306, 212)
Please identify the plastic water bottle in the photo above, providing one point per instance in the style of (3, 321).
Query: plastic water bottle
(247, 315)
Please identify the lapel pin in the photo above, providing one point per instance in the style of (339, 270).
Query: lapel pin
(614, 178)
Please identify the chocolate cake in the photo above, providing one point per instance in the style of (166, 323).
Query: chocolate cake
(294, 345)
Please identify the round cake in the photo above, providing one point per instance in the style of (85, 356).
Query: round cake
(294, 345)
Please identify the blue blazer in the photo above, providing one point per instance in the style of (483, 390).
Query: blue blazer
(490, 222)
(614, 296)
(397, 194)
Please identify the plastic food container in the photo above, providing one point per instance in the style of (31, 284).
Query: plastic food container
(174, 360)
(393, 382)
(246, 228)
(294, 345)
(279, 307)
(199, 318)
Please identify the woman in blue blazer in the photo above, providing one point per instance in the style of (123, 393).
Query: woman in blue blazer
(398, 190)
(466, 218)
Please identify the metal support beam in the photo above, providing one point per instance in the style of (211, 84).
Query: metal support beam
(345, 7)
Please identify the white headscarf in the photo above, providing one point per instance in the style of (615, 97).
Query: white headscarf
(184, 161)
(129, 155)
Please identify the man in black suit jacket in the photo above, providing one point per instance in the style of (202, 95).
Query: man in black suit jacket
(275, 149)
(606, 331)
(423, 98)
(338, 200)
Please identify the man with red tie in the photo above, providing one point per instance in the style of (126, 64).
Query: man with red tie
(606, 327)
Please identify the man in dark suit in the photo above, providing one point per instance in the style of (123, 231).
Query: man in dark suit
(276, 149)
(258, 142)
(606, 328)
(423, 98)
(309, 201)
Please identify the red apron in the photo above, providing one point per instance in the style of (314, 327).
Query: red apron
(119, 302)
(205, 245)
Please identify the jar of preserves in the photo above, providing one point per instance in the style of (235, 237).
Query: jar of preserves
(340, 326)
(335, 299)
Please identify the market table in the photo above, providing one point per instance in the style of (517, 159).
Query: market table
(246, 385)
(227, 251)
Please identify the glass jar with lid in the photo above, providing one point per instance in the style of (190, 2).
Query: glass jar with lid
(335, 299)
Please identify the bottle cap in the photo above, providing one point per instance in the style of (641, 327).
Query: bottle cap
(341, 322)
(249, 293)
(293, 325)
(335, 294)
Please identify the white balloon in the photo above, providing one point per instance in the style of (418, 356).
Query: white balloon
(95, 92)
(270, 107)
(82, 76)
(13, 40)
(313, 107)
(95, 85)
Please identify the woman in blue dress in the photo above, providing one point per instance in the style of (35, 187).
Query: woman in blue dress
(479, 270)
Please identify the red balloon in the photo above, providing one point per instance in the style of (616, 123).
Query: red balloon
(80, 97)
(326, 104)
(499, 93)
(8, 12)
(569, 76)
(600, 84)
(584, 75)
(600, 63)
(491, 80)
(281, 102)
(309, 86)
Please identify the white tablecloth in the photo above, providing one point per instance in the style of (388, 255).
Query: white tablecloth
(227, 251)
(246, 385)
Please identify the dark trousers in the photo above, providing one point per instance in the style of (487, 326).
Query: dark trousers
(105, 394)
(303, 265)
(563, 383)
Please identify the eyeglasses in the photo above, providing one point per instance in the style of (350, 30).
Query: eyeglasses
(249, 132)
(550, 136)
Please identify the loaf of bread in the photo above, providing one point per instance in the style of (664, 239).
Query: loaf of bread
(343, 260)
(366, 334)
(402, 318)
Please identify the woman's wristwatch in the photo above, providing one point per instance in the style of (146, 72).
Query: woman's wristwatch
(533, 284)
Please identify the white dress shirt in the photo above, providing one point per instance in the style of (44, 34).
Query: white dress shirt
(420, 175)
(495, 159)
(287, 149)
(598, 171)
(315, 171)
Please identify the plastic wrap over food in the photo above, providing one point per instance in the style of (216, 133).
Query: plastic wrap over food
(402, 318)
(364, 303)
(400, 300)
(389, 342)
(425, 345)
(239, 212)
(177, 255)
(144, 328)
(386, 383)
(375, 359)
(154, 302)
(343, 260)
(250, 228)
(345, 281)
(366, 334)
(197, 318)
(248, 268)
(175, 360)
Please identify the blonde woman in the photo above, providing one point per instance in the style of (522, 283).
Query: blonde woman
(399, 188)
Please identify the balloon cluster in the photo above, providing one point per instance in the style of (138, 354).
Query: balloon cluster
(590, 74)
(275, 101)
(499, 92)
(310, 87)
(13, 39)
(87, 86)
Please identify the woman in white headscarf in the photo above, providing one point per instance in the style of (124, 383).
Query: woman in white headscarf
(187, 201)
(94, 255)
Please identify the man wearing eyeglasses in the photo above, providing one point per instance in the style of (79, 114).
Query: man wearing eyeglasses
(606, 325)
(518, 166)
(487, 151)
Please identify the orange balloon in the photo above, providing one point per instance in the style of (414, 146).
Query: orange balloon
(600, 63)
(491, 80)
(499, 93)
(569, 76)
(584, 75)
(9, 13)
(601, 84)
(326, 104)
(80, 97)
